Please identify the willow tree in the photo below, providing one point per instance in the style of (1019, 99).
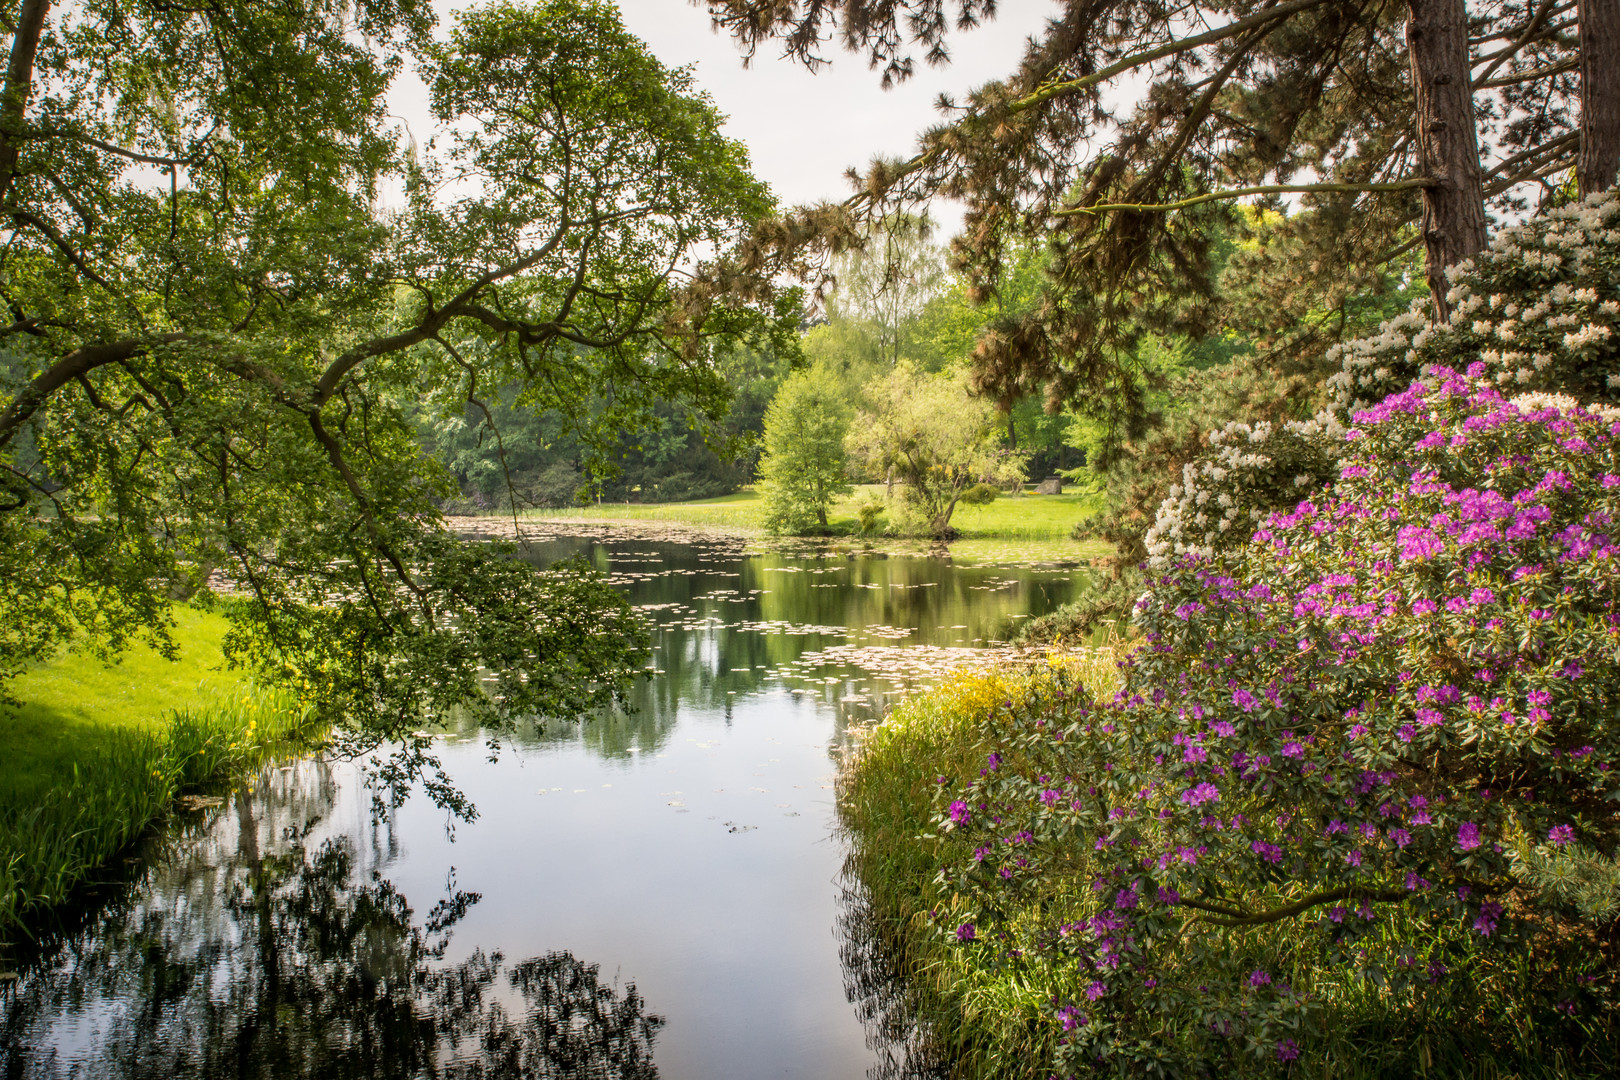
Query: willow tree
(215, 320)
(1132, 127)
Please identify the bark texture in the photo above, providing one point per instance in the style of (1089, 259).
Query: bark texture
(1447, 145)
(1600, 95)
(19, 84)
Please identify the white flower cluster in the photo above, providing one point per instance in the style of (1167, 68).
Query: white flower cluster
(1540, 308)
(1252, 468)
(1537, 400)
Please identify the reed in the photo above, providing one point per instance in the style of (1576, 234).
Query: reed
(51, 846)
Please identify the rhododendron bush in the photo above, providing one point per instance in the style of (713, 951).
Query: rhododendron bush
(1370, 754)
(1539, 309)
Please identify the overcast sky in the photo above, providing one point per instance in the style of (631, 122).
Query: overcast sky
(804, 130)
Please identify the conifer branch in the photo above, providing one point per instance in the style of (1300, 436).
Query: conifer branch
(1135, 60)
(1237, 193)
(1147, 56)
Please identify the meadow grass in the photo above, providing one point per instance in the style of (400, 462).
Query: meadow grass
(1010, 517)
(97, 752)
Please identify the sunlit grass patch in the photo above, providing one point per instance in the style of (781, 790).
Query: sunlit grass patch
(95, 753)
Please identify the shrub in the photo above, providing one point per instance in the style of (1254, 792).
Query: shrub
(979, 495)
(804, 465)
(1539, 310)
(1356, 801)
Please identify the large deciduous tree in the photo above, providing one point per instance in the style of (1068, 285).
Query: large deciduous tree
(214, 321)
(1130, 128)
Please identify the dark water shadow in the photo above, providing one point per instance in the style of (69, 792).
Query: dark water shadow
(277, 956)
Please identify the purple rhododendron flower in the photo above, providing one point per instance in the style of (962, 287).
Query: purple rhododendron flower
(1561, 834)
(1244, 700)
(960, 813)
(1259, 978)
(1489, 912)
(1287, 1050)
(1468, 836)
(1096, 990)
(1203, 793)
(966, 932)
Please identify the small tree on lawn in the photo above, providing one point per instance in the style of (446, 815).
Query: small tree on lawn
(804, 464)
(936, 439)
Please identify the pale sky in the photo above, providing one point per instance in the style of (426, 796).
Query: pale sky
(804, 130)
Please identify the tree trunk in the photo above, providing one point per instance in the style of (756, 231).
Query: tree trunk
(19, 85)
(1447, 146)
(1600, 95)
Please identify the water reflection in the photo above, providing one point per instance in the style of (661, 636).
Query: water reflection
(852, 629)
(267, 953)
(688, 848)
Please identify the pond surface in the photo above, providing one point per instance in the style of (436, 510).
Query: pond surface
(650, 894)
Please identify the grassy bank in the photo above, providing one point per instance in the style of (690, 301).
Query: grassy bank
(986, 1021)
(1012, 517)
(95, 753)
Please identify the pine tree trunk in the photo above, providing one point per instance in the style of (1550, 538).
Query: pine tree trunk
(1600, 95)
(1447, 146)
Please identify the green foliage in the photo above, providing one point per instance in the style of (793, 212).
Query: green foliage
(1550, 284)
(937, 440)
(1540, 308)
(979, 495)
(52, 843)
(216, 332)
(1334, 798)
(804, 467)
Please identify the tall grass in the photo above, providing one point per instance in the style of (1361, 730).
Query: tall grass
(984, 1023)
(52, 845)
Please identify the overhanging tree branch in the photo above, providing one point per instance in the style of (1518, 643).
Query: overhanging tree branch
(1170, 48)
(1238, 193)
(79, 362)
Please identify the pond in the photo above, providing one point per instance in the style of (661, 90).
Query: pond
(652, 893)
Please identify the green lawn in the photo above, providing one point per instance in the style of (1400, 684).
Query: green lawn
(70, 704)
(1011, 517)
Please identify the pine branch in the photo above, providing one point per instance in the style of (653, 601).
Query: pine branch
(1135, 60)
(1527, 76)
(1147, 56)
(1237, 193)
(1537, 21)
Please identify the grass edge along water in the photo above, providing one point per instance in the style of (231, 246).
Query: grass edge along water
(985, 1024)
(53, 845)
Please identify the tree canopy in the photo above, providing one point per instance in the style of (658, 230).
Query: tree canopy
(1129, 129)
(217, 318)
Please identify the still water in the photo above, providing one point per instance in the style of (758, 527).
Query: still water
(657, 893)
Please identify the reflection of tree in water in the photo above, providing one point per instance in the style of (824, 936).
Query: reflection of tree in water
(883, 998)
(313, 975)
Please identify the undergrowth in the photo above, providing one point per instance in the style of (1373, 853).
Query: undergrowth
(985, 1024)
